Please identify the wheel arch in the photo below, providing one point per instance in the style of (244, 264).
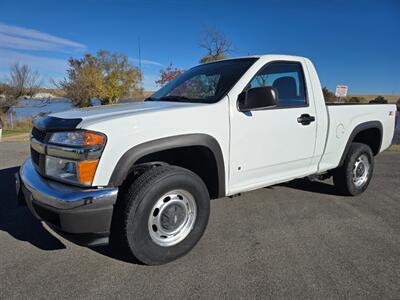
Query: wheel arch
(369, 133)
(190, 143)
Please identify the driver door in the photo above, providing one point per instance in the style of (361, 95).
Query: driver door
(274, 144)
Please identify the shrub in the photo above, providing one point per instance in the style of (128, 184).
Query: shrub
(379, 100)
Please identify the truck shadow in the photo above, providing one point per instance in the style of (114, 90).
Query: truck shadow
(17, 221)
(116, 254)
(312, 186)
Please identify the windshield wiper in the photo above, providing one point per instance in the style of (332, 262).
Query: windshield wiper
(174, 97)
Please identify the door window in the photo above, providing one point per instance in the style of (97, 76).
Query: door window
(287, 79)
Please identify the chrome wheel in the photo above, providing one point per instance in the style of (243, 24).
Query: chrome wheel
(172, 218)
(361, 170)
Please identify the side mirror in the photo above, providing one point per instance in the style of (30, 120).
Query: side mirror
(257, 98)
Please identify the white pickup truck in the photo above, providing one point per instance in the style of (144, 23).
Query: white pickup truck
(141, 175)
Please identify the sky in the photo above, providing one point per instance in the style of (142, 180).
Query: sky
(355, 43)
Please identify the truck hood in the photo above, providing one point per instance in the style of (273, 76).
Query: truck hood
(75, 117)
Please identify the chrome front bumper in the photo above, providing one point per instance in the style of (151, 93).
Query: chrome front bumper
(68, 208)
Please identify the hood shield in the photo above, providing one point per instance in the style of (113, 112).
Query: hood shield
(49, 123)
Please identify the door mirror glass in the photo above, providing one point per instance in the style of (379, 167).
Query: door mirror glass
(257, 98)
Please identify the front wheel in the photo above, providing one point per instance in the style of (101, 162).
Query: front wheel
(353, 177)
(162, 215)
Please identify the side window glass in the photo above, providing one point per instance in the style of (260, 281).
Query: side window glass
(287, 79)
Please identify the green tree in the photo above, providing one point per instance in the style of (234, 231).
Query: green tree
(216, 44)
(106, 76)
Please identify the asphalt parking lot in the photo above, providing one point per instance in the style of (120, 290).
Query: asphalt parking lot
(297, 240)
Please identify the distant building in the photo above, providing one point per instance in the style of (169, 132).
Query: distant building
(43, 96)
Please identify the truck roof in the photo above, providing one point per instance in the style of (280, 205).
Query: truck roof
(266, 56)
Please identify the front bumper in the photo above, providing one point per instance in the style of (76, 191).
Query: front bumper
(68, 209)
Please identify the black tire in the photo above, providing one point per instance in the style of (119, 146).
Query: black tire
(343, 176)
(130, 229)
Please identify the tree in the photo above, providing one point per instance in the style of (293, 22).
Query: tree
(106, 76)
(120, 77)
(328, 95)
(22, 81)
(379, 100)
(398, 104)
(168, 74)
(84, 82)
(216, 44)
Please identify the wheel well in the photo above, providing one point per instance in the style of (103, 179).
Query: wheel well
(198, 159)
(371, 137)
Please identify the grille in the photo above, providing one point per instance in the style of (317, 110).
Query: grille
(38, 161)
(38, 134)
(35, 157)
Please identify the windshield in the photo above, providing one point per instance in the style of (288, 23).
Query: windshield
(206, 83)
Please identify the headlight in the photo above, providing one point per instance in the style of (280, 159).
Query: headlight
(73, 156)
(77, 138)
(72, 171)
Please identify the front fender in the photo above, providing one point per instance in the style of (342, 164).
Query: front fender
(128, 160)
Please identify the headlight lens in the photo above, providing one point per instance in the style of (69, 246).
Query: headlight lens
(62, 169)
(77, 138)
(76, 172)
(73, 156)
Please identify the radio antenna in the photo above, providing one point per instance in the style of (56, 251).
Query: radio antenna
(140, 64)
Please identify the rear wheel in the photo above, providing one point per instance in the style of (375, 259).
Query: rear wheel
(162, 215)
(353, 177)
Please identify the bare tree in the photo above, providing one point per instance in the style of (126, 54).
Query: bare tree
(22, 81)
(216, 44)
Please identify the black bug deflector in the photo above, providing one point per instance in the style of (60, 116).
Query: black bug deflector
(49, 123)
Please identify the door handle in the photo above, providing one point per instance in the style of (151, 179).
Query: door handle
(305, 119)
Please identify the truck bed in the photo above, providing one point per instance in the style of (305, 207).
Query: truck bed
(344, 118)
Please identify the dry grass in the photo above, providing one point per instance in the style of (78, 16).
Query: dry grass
(394, 148)
(19, 130)
(20, 123)
(20, 137)
(390, 98)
